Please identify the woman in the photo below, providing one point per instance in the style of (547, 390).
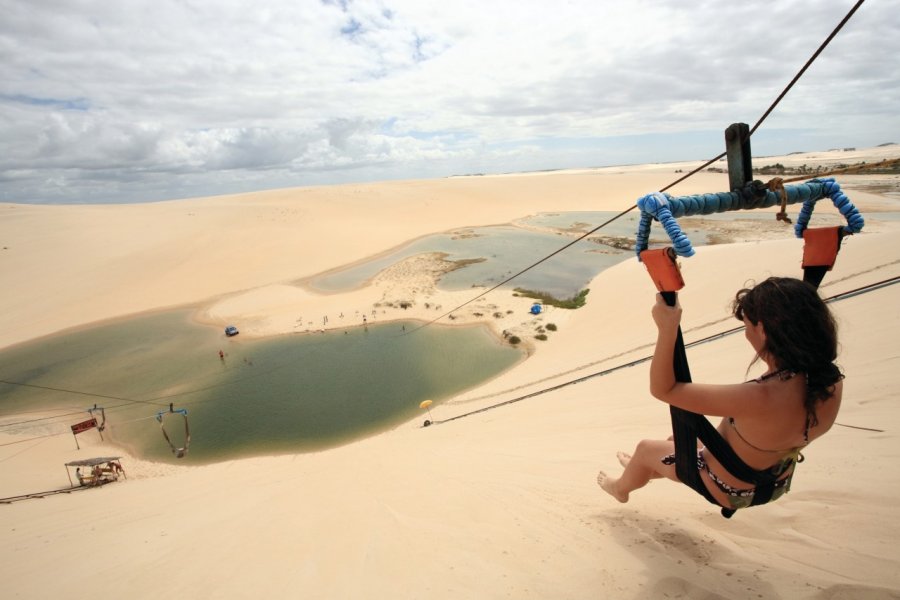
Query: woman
(766, 421)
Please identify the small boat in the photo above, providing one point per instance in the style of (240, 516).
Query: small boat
(231, 330)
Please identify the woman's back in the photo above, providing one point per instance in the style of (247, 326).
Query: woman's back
(780, 426)
(765, 422)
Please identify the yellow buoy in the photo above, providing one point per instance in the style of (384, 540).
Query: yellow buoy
(426, 404)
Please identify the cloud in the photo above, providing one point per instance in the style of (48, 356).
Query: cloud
(152, 100)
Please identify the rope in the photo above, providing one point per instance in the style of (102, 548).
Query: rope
(41, 419)
(776, 185)
(178, 452)
(11, 499)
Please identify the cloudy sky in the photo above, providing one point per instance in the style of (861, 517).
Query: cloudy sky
(141, 100)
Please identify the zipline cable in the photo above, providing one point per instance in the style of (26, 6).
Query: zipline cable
(835, 298)
(67, 391)
(679, 180)
(784, 92)
(128, 402)
(807, 65)
(759, 122)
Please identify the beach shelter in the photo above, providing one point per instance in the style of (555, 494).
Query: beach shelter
(100, 470)
(536, 308)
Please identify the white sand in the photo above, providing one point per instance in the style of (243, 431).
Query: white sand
(501, 504)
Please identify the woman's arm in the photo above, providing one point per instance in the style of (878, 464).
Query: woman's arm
(662, 371)
(715, 400)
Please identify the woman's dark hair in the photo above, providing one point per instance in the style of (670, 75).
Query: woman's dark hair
(801, 334)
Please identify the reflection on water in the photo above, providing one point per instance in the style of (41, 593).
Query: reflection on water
(283, 394)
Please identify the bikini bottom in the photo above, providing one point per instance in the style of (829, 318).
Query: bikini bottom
(737, 497)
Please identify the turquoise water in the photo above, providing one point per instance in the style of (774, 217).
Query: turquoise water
(291, 393)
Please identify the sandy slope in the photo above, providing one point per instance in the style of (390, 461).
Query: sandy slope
(500, 504)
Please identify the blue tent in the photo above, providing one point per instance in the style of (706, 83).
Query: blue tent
(536, 308)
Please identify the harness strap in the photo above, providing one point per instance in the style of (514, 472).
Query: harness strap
(178, 452)
(663, 269)
(819, 254)
(688, 427)
(820, 249)
(102, 424)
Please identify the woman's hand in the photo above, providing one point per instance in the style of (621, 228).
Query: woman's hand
(666, 317)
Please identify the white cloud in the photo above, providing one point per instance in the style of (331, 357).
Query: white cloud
(158, 99)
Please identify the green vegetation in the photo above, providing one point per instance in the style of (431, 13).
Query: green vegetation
(574, 302)
(551, 326)
(780, 169)
(541, 336)
(514, 339)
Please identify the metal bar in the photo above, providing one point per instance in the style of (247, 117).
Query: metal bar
(737, 150)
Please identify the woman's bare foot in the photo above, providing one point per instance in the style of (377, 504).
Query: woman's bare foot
(624, 458)
(608, 485)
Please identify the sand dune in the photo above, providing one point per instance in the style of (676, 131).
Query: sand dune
(499, 504)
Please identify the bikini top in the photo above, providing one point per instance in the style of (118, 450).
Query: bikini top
(783, 375)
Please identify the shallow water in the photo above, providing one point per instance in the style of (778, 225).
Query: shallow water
(284, 394)
(505, 250)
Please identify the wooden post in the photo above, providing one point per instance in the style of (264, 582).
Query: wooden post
(740, 161)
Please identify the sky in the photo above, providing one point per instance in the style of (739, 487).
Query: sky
(138, 101)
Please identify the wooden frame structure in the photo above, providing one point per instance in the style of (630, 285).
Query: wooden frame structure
(103, 470)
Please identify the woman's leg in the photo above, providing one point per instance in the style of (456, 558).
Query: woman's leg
(644, 465)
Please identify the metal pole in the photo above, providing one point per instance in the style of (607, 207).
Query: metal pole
(740, 160)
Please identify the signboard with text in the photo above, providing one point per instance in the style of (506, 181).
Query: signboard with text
(83, 426)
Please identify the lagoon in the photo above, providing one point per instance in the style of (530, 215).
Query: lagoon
(290, 393)
(505, 250)
(297, 393)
